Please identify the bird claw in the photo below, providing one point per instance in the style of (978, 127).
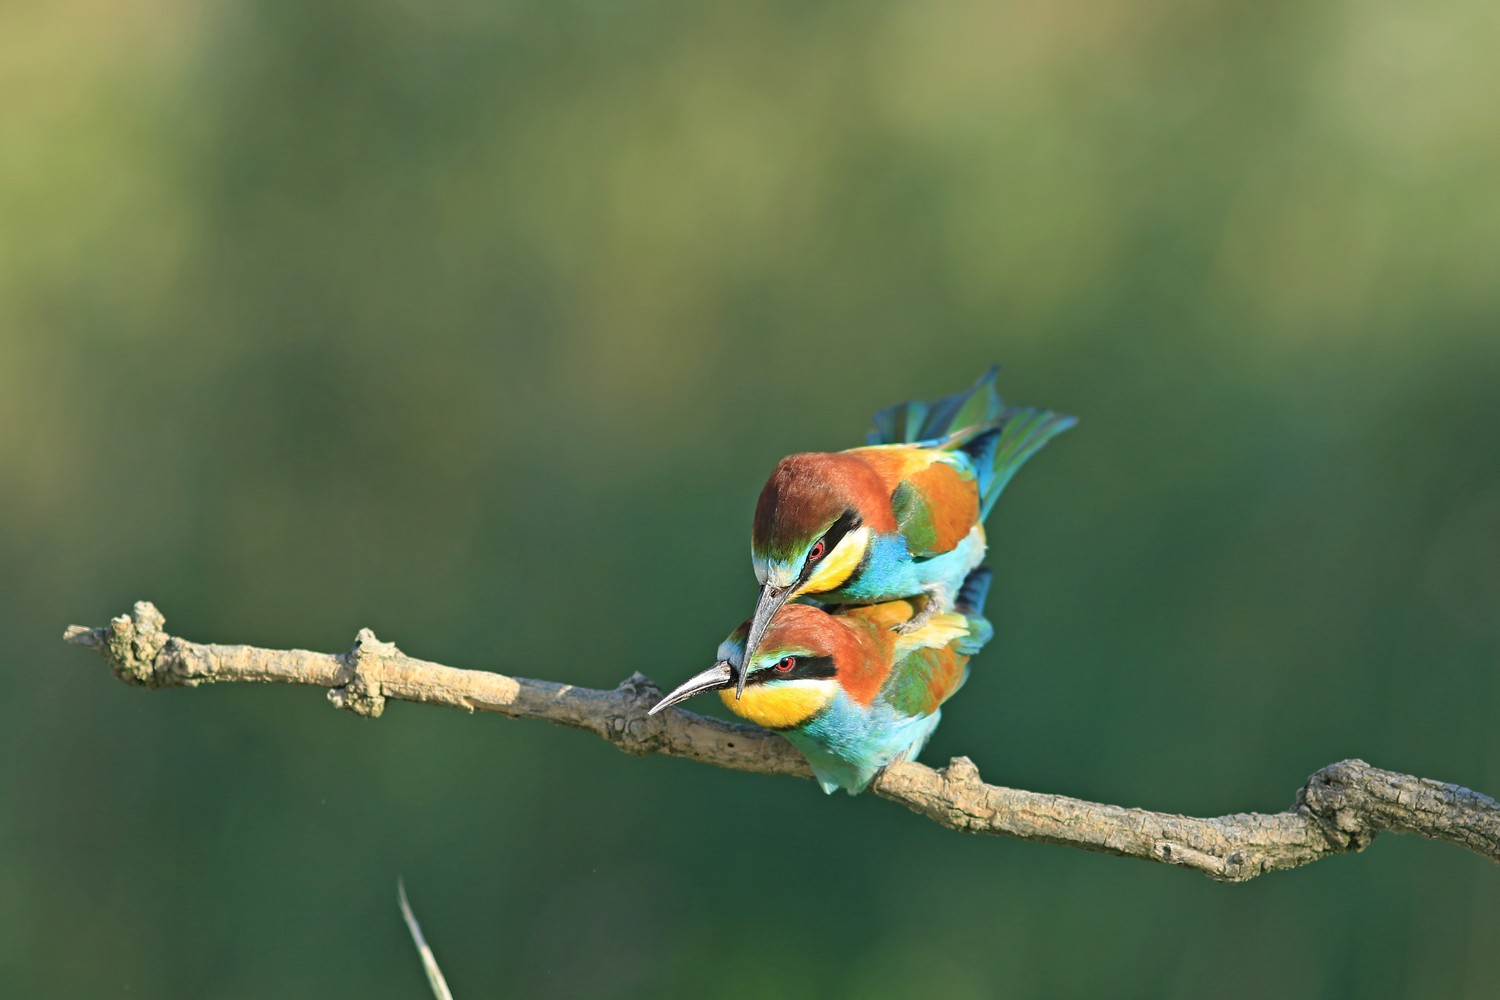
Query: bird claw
(934, 600)
(921, 618)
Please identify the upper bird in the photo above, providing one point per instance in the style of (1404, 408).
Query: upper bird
(898, 518)
(846, 689)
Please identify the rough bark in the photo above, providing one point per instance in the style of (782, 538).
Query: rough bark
(1340, 808)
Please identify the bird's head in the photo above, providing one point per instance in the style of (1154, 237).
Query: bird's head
(803, 661)
(812, 530)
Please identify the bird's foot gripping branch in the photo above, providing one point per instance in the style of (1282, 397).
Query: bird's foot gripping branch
(1340, 808)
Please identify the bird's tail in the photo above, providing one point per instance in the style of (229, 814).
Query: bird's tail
(970, 604)
(907, 423)
(998, 438)
(999, 450)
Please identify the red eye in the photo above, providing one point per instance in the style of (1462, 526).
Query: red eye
(785, 664)
(817, 551)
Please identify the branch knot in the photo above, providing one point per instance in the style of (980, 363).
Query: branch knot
(1337, 800)
(631, 729)
(359, 691)
(130, 643)
(961, 771)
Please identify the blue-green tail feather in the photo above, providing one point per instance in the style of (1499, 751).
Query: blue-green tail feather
(970, 604)
(906, 423)
(998, 452)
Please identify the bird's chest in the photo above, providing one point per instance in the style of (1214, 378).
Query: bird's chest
(889, 572)
(848, 743)
(851, 731)
(886, 569)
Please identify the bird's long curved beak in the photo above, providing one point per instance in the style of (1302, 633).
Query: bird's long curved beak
(715, 678)
(770, 601)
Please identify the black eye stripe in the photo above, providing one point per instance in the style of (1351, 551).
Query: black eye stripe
(848, 521)
(807, 668)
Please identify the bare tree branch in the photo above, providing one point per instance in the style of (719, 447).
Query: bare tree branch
(1341, 808)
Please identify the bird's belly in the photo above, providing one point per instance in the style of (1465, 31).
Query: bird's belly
(849, 744)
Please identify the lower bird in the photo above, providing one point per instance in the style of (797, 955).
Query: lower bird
(848, 689)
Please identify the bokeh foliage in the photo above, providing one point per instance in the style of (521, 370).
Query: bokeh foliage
(481, 323)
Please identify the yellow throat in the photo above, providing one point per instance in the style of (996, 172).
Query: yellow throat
(784, 705)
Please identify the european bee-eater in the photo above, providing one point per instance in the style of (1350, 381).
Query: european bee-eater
(846, 689)
(901, 517)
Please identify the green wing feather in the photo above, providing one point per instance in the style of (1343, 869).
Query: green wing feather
(914, 516)
(925, 678)
(933, 662)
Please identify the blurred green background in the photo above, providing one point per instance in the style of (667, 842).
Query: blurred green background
(482, 323)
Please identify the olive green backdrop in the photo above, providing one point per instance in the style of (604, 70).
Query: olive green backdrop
(481, 324)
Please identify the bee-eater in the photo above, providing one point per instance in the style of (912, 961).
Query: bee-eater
(846, 689)
(901, 517)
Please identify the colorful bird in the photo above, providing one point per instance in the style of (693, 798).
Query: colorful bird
(899, 518)
(847, 689)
